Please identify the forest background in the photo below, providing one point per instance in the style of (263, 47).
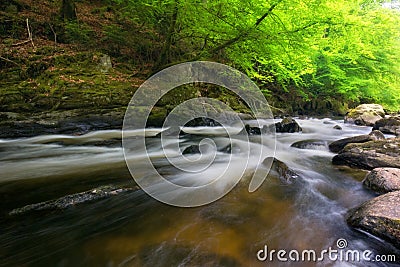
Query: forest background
(307, 57)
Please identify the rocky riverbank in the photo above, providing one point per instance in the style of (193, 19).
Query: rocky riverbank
(381, 215)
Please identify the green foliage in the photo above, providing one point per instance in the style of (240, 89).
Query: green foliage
(77, 32)
(314, 49)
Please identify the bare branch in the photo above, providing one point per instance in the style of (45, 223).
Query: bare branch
(55, 34)
(29, 33)
(9, 60)
(30, 39)
(21, 43)
(269, 11)
(242, 35)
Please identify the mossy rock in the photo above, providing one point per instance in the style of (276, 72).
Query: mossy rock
(370, 155)
(379, 216)
(365, 114)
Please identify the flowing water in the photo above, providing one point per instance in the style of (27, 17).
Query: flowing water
(132, 229)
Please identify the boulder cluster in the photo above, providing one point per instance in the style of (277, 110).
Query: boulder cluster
(379, 216)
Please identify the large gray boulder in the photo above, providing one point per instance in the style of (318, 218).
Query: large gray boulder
(379, 216)
(389, 125)
(365, 114)
(370, 155)
(338, 145)
(383, 180)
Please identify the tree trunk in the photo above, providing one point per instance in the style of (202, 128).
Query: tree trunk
(166, 50)
(68, 11)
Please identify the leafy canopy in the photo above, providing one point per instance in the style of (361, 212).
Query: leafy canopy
(334, 49)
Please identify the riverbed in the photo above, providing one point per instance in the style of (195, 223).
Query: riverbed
(133, 229)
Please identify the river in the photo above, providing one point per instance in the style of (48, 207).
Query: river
(133, 229)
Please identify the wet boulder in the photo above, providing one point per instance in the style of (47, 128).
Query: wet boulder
(287, 125)
(370, 155)
(338, 145)
(389, 125)
(379, 217)
(383, 180)
(202, 122)
(311, 144)
(74, 199)
(337, 127)
(285, 174)
(192, 149)
(76, 122)
(365, 114)
(254, 130)
(377, 135)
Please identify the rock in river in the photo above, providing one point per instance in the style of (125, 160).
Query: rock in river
(311, 144)
(365, 114)
(192, 149)
(251, 130)
(383, 180)
(379, 216)
(285, 174)
(389, 125)
(370, 155)
(287, 125)
(74, 199)
(340, 144)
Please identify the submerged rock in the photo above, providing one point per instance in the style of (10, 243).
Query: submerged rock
(379, 216)
(383, 180)
(389, 125)
(202, 122)
(176, 253)
(370, 155)
(285, 174)
(226, 149)
(287, 125)
(311, 144)
(72, 200)
(192, 149)
(174, 131)
(338, 145)
(365, 114)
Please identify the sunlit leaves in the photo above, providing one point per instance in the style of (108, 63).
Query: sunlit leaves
(319, 48)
